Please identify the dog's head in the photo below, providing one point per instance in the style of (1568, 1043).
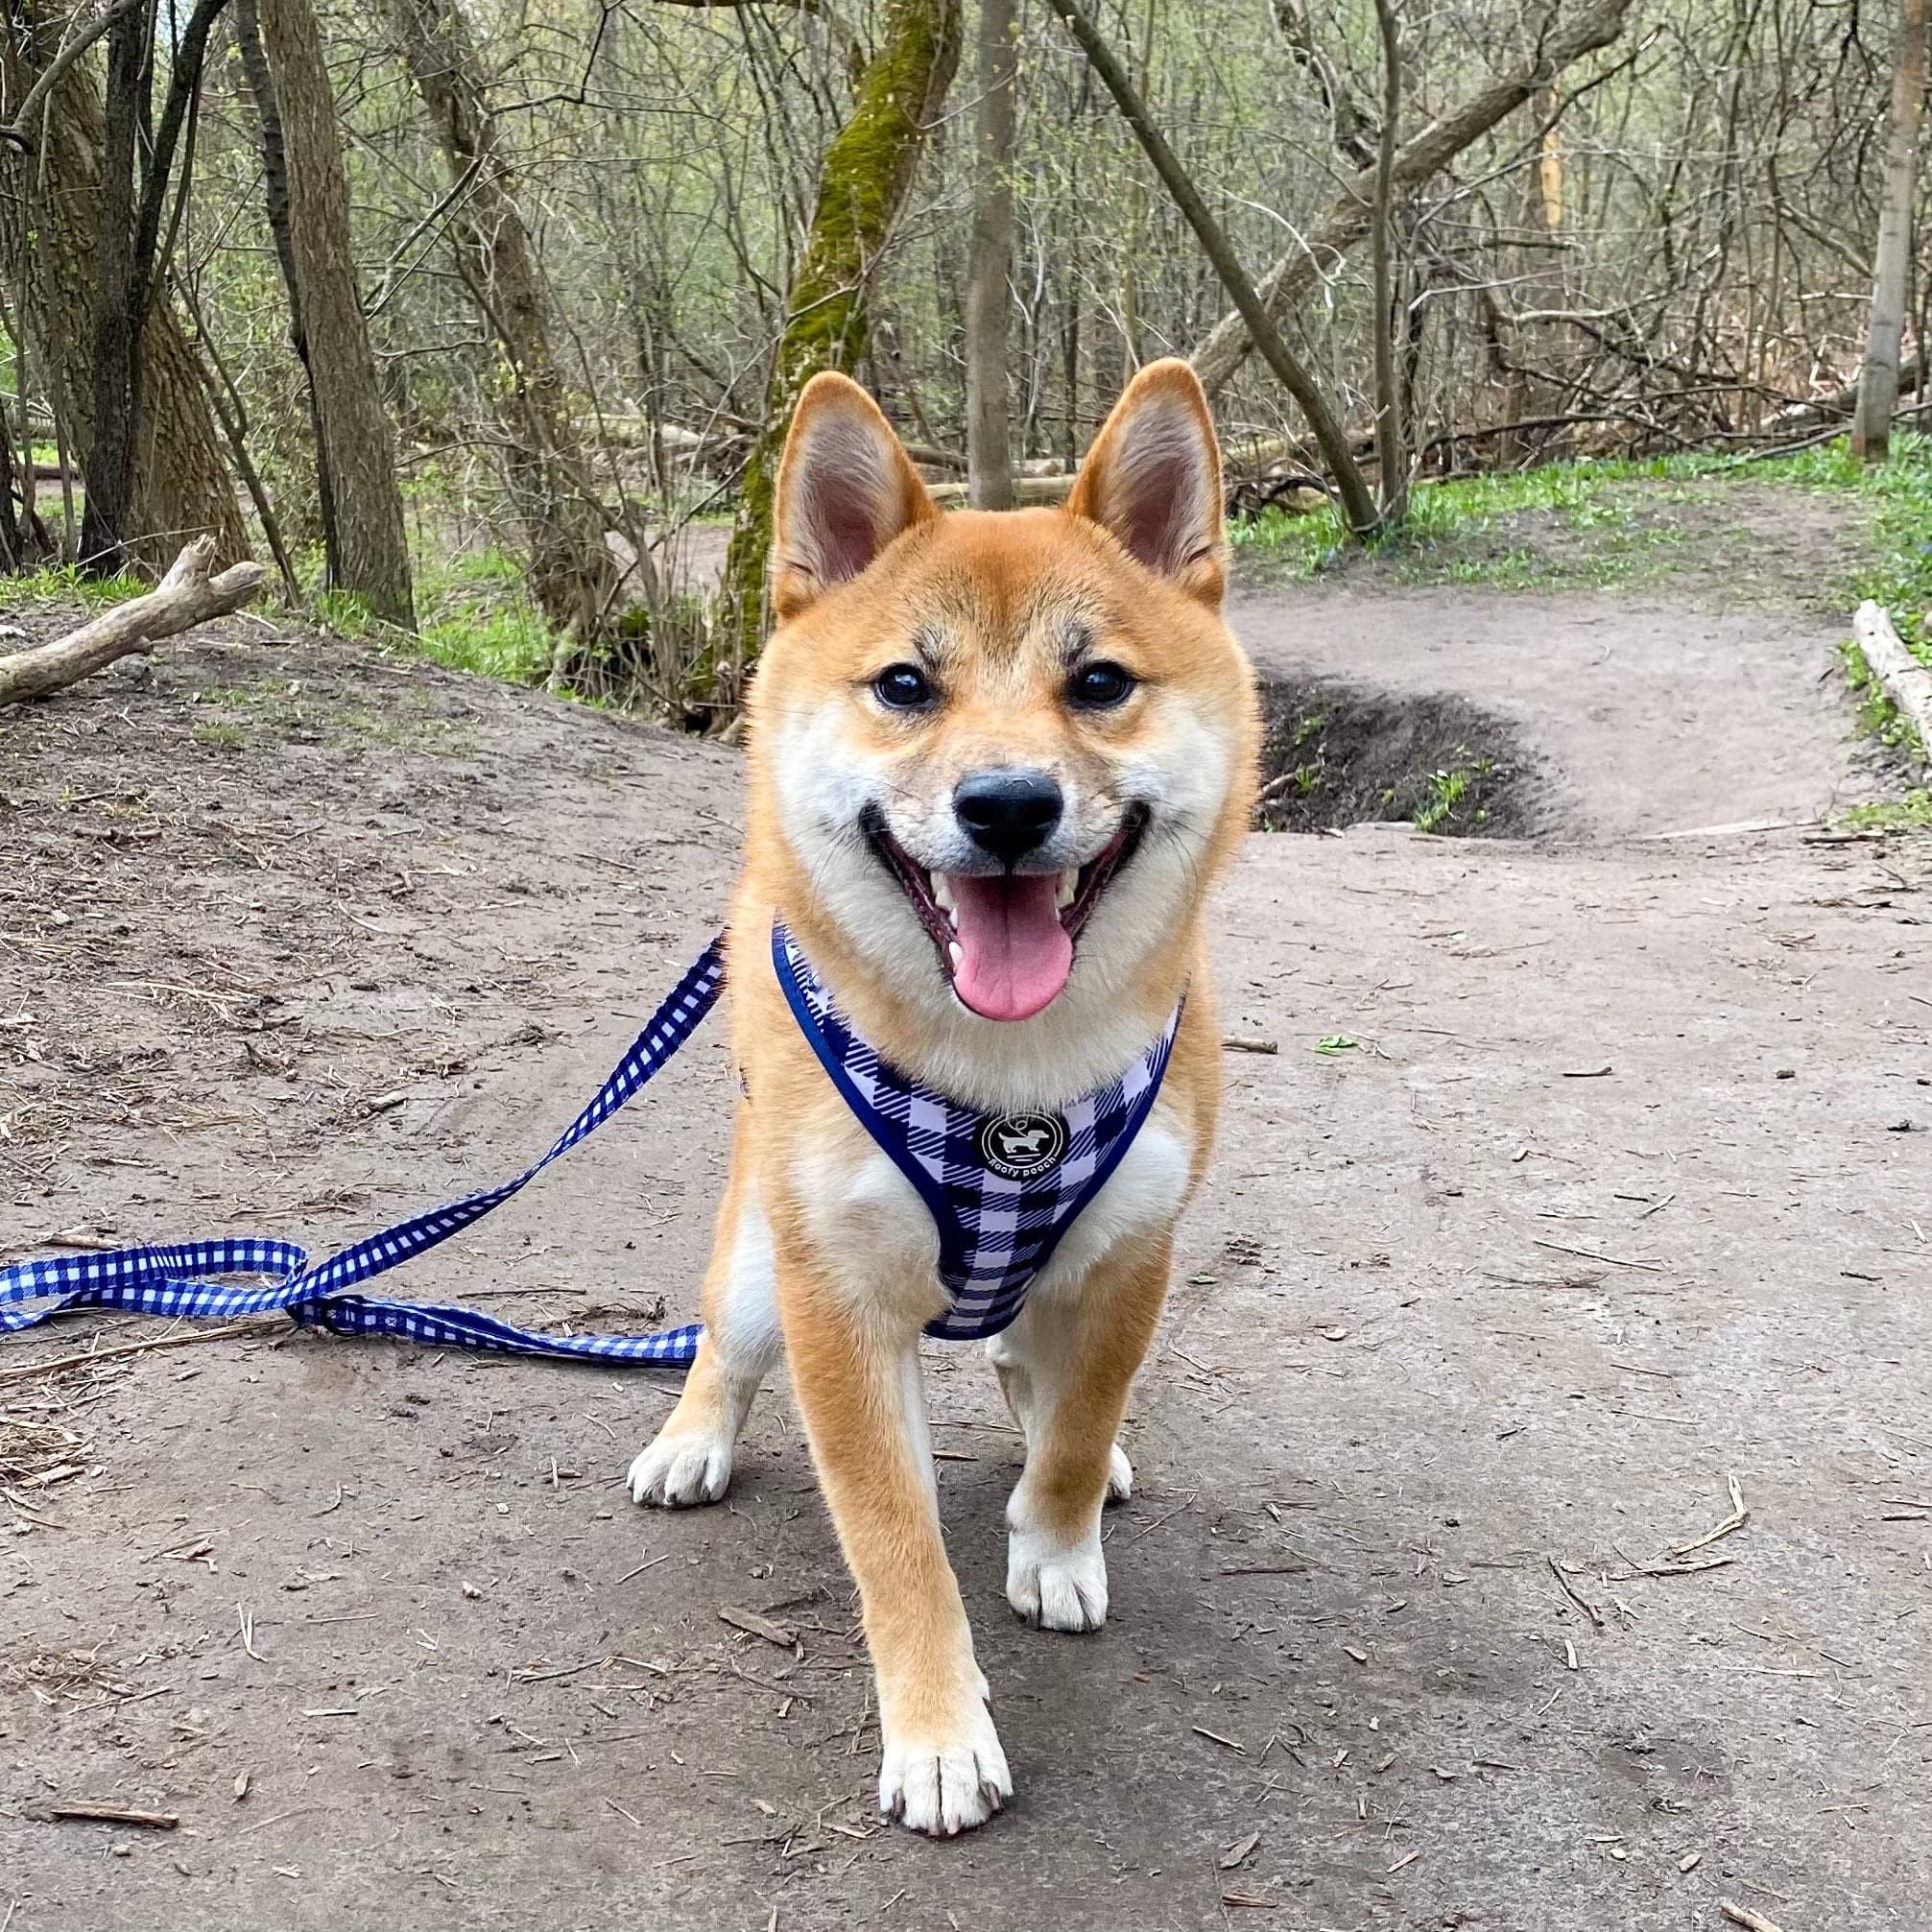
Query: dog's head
(1007, 753)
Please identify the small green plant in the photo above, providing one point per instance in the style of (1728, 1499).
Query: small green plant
(1911, 813)
(1332, 1044)
(219, 731)
(1448, 789)
(1877, 716)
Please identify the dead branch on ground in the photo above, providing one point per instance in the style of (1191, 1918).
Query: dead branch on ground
(187, 596)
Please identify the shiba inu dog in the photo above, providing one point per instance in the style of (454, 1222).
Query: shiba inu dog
(996, 762)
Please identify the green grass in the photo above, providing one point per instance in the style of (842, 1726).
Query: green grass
(1899, 572)
(1445, 514)
(1460, 532)
(67, 582)
(1878, 717)
(473, 613)
(1911, 813)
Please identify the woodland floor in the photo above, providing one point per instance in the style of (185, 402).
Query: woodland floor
(1602, 1198)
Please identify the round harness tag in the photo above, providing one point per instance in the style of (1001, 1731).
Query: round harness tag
(1021, 1145)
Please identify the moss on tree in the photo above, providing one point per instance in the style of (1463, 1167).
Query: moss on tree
(867, 169)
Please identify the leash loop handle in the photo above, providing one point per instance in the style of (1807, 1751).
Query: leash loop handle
(195, 1278)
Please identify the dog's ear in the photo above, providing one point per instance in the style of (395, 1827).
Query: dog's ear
(1153, 477)
(846, 489)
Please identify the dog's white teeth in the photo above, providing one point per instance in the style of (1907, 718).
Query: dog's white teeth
(942, 897)
(957, 954)
(1069, 885)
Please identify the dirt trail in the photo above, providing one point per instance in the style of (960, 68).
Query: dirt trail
(1606, 1201)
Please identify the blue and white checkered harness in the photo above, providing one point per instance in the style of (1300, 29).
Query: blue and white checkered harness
(994, 1238)
(1002, 1188)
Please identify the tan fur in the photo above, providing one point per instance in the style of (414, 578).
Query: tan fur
(851, 1268)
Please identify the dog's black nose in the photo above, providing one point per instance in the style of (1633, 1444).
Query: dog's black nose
(1008, 813)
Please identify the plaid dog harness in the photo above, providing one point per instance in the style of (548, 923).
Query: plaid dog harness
(1002, 1188)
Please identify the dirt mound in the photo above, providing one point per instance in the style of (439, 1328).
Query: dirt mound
(1335, 754)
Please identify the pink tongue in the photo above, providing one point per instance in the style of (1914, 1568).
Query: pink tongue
(1015, 954)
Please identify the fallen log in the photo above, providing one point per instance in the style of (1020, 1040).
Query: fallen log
(187, 596)
(1906, 681)
(1027, 490)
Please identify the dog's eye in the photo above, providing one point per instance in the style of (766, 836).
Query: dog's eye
(1098, 687)
(903, 687)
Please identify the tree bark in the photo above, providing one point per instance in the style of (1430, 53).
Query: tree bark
(187, 595)
(261, 88)
(989, 299)
(182, 484)
(131, 266)
(1567, 38)
(1891, 269)
(363, 528)
(109, 462)
(1358, 508)
(867, 171)
(1391, 457)
(573, 577)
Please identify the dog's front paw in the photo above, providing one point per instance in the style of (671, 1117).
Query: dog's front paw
(947, 1785)
(678, 1472)
(1055, 1585)
(1119, 1475)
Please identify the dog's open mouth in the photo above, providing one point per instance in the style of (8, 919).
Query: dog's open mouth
(1004, 939)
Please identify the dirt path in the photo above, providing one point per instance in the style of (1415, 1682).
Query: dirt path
(1608, 1202)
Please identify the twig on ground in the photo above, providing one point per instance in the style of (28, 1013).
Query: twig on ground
(1743, 1914)
(1588, 1608)
(83, 1809)
(260, 1325)
(1740, 1515)
(1591, 1254)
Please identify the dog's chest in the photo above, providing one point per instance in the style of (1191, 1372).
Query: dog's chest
(879, 1238)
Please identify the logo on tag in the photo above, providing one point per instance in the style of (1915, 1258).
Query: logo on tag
(1021, 1145)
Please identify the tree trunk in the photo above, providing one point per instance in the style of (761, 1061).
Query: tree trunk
(1579, 30)
(1878, 379)
(355, 467)
(108, 464)
(1358, 508)
(867, 169)
(180, 481)
(989, 299)
(1391, 457)
(573, 576)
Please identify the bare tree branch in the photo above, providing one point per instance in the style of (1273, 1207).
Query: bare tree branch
(1358, 507)
(1581, 31)
(19, 131)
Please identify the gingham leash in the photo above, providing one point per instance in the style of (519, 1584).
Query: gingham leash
(187, 1279)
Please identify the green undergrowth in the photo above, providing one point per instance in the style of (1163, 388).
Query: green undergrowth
(67, 582)
(1878, 717)
(473, 613)
(1913, 813)
(1623, 522)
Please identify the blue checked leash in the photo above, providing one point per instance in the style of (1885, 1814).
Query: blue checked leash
(186, 1279)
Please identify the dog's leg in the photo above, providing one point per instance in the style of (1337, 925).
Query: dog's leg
(690, 1460)
(1065, 1367)
(857, 1379)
